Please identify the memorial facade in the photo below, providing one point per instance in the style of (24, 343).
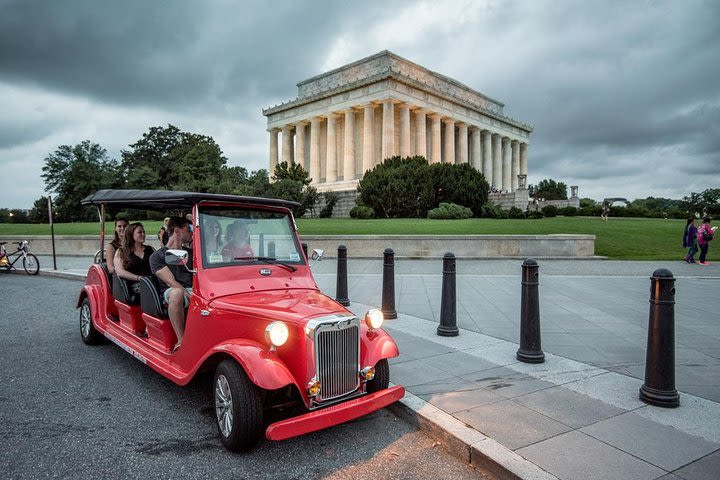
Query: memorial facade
(346, 121)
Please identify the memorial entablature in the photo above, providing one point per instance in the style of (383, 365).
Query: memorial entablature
(346, 121)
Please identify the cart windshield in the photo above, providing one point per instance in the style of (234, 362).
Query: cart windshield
(238, 236)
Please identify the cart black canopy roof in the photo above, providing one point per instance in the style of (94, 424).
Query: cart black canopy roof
(169, 200)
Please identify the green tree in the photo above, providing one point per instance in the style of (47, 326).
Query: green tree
(292, 182)
(152, 161)
(39, 211)
(4, 215)
(74, 172)
(707, 200)
(398, 187)
(549, 190)
(459, 184)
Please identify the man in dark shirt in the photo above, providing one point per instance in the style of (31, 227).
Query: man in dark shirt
(175, 280)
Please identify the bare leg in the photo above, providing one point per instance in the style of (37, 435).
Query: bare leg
(176, 312)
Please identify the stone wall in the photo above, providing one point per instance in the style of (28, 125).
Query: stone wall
(346, 201)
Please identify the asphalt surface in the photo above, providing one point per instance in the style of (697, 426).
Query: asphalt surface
(68, 410)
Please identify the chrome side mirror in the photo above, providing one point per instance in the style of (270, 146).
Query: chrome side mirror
(317, 254)
(178, 257)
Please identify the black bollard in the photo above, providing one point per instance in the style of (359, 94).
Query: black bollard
(341, 290)
(448, 308)
(304, 247)
(388, 291)
(271, 249)
(659, 387)
(530, 351)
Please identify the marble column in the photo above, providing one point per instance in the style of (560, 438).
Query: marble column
(287, 144)
(463, 143)
(420, 133)
(331, 149)
(273, 150)
(349, 146)
(515, 168)
(476, 157)
(368, 157)
(449, 156)
(523, 159)
(315, 150)
(487, 156)
(497, 160)
(405, 130)
(506, 171)
(388, 130)
(435, 129)
(300, 143)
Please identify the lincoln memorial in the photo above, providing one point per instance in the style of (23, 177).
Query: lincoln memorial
(346, 121)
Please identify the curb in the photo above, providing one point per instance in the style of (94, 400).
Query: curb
(466, 443)
(65, 275)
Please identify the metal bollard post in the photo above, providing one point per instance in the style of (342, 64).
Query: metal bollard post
(341, 290)
(304, 247)
(659, 387)
(448, 307)
(271, 249)
(530, 351)
(388, 291)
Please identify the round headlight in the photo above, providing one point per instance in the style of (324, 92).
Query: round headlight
(277, 334)
(374, 318)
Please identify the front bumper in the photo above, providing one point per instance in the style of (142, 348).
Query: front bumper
(334, 415)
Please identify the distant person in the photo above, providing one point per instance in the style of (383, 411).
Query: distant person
(212, 241)
(705, 235)
(175, 280)
(132, 260)
(605, 212)
(112, 247)
(238, 242)
(690, 240)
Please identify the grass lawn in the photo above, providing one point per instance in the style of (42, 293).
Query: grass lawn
(619, 238)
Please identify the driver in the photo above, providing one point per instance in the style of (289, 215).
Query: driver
(175, 280)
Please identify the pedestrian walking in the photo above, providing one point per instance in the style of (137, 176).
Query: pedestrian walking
(690, 240)
(605, 212)
(705, 234)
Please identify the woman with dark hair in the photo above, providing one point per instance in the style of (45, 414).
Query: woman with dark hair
(690, 240)
(110, 249)
(238, 242)
(705, 234)
(132, 260)
(213, 237)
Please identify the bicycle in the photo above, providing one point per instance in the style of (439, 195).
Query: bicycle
(30, 262)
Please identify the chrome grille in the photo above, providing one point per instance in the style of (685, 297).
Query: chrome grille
(337, 356)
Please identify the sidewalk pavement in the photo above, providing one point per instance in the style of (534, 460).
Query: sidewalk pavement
(576, 416)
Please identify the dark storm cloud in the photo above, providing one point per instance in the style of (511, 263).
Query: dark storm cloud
(176, 54)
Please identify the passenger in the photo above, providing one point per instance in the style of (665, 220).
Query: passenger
(132, 260)
(213, 237)
(175, 280)
(238, 246)
(162, 234)
(112, 247)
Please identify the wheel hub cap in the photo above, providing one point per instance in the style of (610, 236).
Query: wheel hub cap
(223, 405)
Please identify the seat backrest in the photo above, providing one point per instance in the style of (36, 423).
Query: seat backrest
(103, 265)
(122, 291)
(150, 300)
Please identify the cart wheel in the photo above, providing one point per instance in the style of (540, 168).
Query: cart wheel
(381, 380)
(238, 407)
(87, 330)
(31, 264)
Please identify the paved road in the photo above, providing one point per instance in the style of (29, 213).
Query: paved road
(72, 411)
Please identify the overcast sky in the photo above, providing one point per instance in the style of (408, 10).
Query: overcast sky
(624, 97)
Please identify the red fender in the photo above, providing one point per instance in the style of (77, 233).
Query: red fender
(262, 366)
(376, 346)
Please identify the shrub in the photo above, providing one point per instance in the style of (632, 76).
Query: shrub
(448, 211)
(331, 199)
(550, 210)
(361, 211)
(459, 184)
(568, 211)
(533, 215)
(590, 211)
(490, 210)
(515, 212)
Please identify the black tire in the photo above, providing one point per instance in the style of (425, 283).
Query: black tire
(381, 380)
(31, 264)
(243, 428)
(87, 330)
